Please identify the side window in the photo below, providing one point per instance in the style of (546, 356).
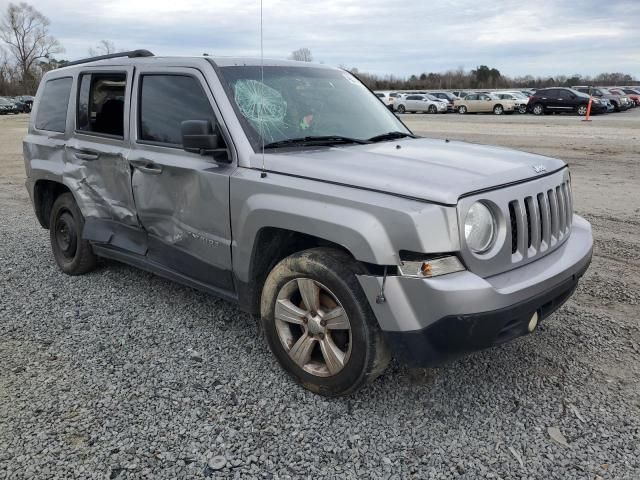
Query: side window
(52, 110)
(551, 94)
(471, 97)
(165, 102)
(101, 103)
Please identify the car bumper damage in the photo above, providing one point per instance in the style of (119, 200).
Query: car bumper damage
(427, 322)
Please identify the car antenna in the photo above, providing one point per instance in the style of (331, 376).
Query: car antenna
(263, 174)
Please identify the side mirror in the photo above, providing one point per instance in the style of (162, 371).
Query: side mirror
(198, 137)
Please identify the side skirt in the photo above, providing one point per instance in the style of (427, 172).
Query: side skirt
(150, 266)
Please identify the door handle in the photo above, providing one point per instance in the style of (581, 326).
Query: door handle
(85, 154)
(146, 166)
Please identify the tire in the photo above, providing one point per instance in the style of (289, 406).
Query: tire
(522, 109)
(328, 276)
(73, 255)
(498, 110)
(432, 109)
(616, 107)
(581, 110)
(462, 109)
(401, 109)
(538, 109)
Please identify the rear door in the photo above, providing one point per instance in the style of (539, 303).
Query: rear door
(182, 198)
(484, 104)
(96, 153)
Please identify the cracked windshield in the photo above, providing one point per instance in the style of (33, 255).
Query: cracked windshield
(286, 104)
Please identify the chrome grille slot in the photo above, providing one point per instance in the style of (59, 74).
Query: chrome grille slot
(539, 221)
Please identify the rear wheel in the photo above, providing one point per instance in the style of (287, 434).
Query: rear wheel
(538, 109)
(401, 109)
(73, 254)
(432, 109)
(582, 110)
(319, 324)
(462, 109)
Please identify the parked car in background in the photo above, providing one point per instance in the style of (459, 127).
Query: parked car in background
(8, 106)
(620, 103)
(520, 99)
(447, 97)
(633, 97)
(484, 103)
(460, 93)
(23, 107)
(420, 103)
(28, 100)
(562, 100)
(386, 98)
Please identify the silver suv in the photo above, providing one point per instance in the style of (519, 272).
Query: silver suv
(289, 189)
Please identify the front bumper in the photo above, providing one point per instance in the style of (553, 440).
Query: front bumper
(427, 322)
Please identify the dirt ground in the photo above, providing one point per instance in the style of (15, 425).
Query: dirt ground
(580, 371)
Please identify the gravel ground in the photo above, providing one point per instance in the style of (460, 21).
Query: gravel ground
(121, 374)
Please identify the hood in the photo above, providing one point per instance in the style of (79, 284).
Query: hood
(427, 169)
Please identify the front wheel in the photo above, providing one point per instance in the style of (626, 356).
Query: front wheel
(462, 109)
(522, 109)
(319, 324)
(498, 110)
(582, 110)
(432, 109)
(401, 109)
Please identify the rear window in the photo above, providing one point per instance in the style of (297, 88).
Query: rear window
(52, 108)
(101, 103)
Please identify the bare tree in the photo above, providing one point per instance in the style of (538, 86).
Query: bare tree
(104, 47)
(26, 33)
(301, 55)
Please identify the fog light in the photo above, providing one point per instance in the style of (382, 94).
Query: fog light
(533, 323)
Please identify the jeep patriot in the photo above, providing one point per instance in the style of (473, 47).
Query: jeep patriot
(289, 189)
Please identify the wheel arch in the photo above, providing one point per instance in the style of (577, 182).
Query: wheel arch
(272, 245)
(45, 193)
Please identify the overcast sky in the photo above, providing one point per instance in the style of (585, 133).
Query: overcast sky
(544, 37)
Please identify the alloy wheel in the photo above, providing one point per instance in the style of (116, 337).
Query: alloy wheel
(313, 327)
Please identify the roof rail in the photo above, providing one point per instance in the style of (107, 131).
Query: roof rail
(129, 54)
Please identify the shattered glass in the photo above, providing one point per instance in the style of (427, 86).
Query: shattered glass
(263, 106)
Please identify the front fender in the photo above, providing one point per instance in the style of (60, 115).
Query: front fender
(374, 227)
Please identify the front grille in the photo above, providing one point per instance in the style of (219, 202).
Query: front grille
(540, 221)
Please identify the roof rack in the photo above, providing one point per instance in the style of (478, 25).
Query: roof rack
(129, 54)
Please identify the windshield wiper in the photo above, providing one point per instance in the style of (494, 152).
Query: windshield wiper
(315, 140)
(390, 136)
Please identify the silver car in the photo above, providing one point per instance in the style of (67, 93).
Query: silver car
(288, 189)
(419, 103)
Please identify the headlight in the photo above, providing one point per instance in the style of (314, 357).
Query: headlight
(479, 228)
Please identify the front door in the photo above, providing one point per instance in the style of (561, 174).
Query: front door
(182, 198)
(96, 153)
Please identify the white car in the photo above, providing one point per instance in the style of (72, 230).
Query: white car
(419, 103)
(520, 99)
(386, 98)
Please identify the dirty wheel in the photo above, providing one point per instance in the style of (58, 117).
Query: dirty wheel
(462, 109)
(432, 109)
(73, 254)
(319, 324)
(401, 109)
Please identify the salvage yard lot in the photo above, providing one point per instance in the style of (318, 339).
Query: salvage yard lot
(121, 374)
